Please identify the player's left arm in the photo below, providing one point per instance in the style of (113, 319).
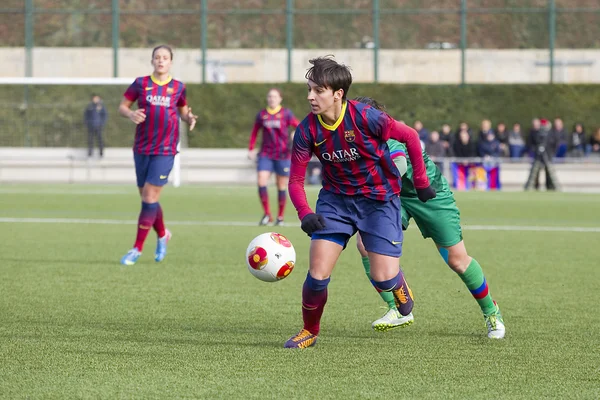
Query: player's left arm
(185, 111)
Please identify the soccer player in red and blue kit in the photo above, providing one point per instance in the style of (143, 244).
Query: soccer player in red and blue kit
(361, 188)
(161, 102)
(274, 154)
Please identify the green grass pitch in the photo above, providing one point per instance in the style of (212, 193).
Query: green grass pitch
(76, 324)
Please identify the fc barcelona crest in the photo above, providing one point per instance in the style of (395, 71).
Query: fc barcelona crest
(169, 90)
(349, 136)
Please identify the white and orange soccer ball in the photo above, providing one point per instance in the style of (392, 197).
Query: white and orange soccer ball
(270, 257)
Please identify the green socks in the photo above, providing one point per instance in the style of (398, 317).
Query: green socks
(477, 285)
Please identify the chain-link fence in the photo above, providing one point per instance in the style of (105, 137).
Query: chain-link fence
(379, 26)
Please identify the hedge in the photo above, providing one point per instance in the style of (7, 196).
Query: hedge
(53, 115)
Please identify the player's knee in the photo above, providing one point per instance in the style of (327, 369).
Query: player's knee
(151, 193)
(385, 286)
(316, 284)
(457, 261)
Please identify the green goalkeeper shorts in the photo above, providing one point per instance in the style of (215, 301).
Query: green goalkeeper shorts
(438, 219)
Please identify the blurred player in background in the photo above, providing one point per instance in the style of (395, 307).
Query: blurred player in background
(361, 188)
(438, 219)
(274, 154)
(161, 102)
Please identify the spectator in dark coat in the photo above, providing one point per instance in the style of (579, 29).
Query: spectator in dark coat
(489, 146)
(464, 145)
(577, 141)
(95, 120)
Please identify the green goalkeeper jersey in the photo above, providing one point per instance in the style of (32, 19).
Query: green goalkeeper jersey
(437, 181)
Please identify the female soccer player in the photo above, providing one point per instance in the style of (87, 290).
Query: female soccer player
(360, 191)
(274, 154)
(438, 219)
(161, 101)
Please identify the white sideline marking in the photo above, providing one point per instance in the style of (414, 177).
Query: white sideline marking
(532, 228)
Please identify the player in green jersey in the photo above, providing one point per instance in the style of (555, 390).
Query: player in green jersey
(438, 219)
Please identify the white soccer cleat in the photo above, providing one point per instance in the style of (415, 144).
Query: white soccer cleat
(392, 319)
(495, 324)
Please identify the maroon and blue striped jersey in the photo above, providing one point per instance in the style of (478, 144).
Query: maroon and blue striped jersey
(159, 133)
(354, 154)
(275, 136)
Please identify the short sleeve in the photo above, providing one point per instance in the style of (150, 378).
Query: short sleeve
(133, 91)
(302, 147)
(182, 100)
(397, 149)
(378, 123)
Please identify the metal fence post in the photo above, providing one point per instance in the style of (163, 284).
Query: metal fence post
(552, 36)
(29, 38)
(289, 35)
(463, 41)
(376, 18)
(28, 65)
(203, 33)
(115, 37)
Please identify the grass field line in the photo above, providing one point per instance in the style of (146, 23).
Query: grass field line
(530, 228)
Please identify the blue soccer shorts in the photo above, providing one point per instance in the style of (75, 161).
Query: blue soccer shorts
(280, 167)
(379, 222)
(152, 169)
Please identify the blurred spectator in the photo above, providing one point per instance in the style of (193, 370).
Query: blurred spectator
(533, 138)
(464, 126)
(489, 146)
(95, 119)
(594, 146)
(577, 141)
(543, 152)
(502, 136)
(516, 144)
(559, 136)
(447, 139)
(464, 145)
(543, 136)
(423, 133)
(435, 148)
(486, 128)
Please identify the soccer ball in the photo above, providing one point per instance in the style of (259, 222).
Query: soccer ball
(270, 257)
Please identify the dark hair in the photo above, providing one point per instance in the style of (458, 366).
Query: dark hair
(580, 124)
(327, 73)
(371, 102)
(163, 46)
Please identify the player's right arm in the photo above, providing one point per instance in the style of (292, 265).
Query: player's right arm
(301, 155)
(253, 136)
(302, 151)
(398, 155)
(131, 95)
(401, 164)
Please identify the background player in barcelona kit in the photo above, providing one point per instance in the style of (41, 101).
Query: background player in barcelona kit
(361, 187)
(161, 101)
(274, 154)
(438, 219)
